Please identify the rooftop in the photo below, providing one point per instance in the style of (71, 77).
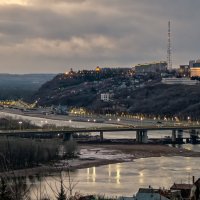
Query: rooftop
(182, 186)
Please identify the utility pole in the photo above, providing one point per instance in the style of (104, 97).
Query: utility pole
(169, 50)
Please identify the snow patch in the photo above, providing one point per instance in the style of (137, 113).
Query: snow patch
(99, 153)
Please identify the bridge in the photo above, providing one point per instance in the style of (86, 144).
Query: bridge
(141, 131)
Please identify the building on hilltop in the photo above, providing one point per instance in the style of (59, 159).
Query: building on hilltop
(184, 71)
(154, 67)
(194, 68)
(97, 69)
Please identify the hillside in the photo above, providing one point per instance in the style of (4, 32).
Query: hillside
(176, 100)
(79, 89)
(128, 96)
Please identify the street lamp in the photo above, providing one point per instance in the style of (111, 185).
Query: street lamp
(141, 121)
(176, 119)
(165, 119)
(20, 125)
(46, 124)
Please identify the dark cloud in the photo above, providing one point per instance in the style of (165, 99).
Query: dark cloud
(44, 36)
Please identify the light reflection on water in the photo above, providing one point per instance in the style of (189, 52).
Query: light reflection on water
(126, 178)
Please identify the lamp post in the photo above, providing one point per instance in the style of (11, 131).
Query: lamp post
(141, 121)
(165, 119)
(20, 125)
(188, 118)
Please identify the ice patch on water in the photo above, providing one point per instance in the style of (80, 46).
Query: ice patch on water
(99, 153)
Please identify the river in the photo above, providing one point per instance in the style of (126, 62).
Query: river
(122, 178)
(126, 178)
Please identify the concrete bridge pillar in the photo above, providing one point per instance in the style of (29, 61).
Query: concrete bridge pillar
(193, 136)
(173, 135)
(101, 135)
(141, 136)
(180, 136)
(144, 137)
(67, 136)
(137, 136)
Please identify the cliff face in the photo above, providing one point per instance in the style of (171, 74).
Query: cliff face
(158, 99)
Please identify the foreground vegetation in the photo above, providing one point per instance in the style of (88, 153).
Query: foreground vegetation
(18, 189)
(19, 153)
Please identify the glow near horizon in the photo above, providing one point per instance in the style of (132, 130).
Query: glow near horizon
(17, 2)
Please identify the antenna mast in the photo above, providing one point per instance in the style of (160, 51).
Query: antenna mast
(169, 51)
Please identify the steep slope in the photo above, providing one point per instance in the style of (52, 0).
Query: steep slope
(158, 99)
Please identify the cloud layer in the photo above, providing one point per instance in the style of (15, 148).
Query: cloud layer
(55, 35)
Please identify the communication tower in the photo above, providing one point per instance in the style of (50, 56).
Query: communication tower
(169, 50)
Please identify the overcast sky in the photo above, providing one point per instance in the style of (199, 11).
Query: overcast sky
(52, 36)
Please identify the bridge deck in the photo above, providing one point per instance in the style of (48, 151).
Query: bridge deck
(102, 129)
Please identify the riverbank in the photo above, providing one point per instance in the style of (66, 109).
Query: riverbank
(104, 154)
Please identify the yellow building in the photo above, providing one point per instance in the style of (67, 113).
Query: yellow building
(195, 69)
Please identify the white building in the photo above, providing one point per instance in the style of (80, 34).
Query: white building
(183, 81)
(105, 97)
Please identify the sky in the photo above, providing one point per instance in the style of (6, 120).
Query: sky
(52, 36)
